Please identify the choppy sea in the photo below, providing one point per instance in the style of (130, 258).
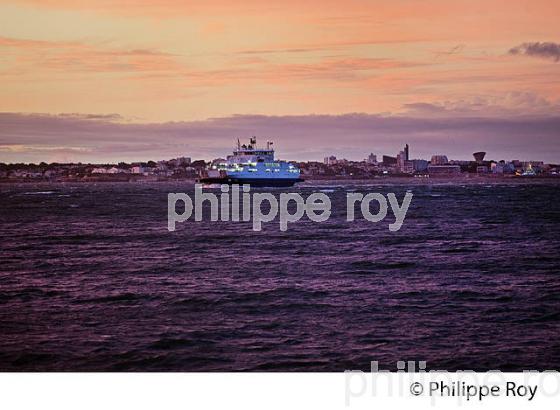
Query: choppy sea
(92, 280)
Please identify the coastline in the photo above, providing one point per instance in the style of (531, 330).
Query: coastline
(310, 180)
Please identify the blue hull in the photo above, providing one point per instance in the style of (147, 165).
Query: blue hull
(256, 182)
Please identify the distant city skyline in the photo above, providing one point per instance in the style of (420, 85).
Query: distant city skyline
(109, 80)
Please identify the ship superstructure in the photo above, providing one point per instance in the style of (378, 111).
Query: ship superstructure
(253, 165)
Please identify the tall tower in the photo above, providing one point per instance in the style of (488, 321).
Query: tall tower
(479, 156)
(406, 156)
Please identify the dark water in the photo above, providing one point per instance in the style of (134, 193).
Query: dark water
(90, 279)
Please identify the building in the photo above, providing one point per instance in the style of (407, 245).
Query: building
(388, 161)
(372, 159)
(444, 170)
(420, 165)
(181, 161)
(479, 156)
(401, 160)
(509, 168)
(536, 165)
(330, 160)
(439, 160)
(404, 165)
(497, 168)
(112, 170)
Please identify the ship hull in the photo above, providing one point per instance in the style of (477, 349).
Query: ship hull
(255, 182)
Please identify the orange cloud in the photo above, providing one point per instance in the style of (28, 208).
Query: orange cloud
(74, 56)
(176, 59)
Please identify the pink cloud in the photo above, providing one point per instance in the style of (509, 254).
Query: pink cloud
(305, 137)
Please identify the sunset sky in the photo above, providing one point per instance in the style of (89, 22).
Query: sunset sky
(111, 80)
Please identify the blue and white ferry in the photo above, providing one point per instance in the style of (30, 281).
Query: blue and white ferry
(254, 166)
